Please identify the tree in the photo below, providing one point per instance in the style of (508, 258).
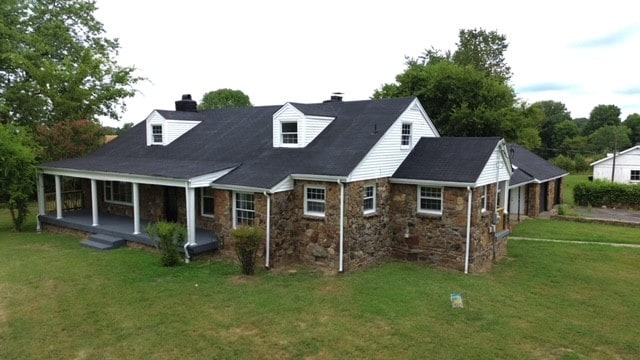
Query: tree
(69, 139)
(17, 171)
(57, 65)
(633, 123)
(483, 50)
(602, 115)
(554, 113)
(224, 98)
(609, 138)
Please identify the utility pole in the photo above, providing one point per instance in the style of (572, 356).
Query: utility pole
(615, 150)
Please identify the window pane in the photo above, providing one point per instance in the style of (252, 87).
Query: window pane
(289, 138)
(313, 206)
(290, 127)
(156, 130)
(245, 209)
(368, 204)
(207, 201)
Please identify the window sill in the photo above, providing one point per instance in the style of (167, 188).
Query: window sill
(373, 213)
(211, 217)
(118, 203)
(312, 216)
(432, 215)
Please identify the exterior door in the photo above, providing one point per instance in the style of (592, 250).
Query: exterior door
(171, 204)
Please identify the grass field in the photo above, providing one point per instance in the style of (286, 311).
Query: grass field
(567, 230)
(570, 181)
(545, 301)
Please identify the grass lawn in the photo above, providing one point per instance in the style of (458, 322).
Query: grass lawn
(568, 230)
(570, 182)
(546, 301)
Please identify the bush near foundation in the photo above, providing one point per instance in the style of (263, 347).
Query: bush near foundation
(168, 237)
(605, 193)
(246, 241)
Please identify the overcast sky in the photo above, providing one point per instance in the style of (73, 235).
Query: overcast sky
(580, 53)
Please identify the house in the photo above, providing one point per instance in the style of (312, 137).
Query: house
(341, 184)
(536, 184)
(622, 168)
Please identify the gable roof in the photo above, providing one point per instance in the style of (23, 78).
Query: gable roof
(241, 139)
(609, 157)
(531, 167)
(448, 159)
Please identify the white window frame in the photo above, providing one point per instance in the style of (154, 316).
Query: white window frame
(634, 177)
(202, 198)
(440, 198)
(153, 134)
(483, 197)
(371, 197)
(252, 221)
(108, 192)
(404, 137)
(283, 134)
(322, 201)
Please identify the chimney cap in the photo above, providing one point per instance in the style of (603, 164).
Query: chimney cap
(186, 104)
(335, 97)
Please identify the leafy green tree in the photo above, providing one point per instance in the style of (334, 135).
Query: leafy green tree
(602, 115)
(17, 171)
(554, 113)
(56, 64)
(483, 50)
(575, 145)
(609, 138)
(224, 98)
(633, 123)
(67, 139)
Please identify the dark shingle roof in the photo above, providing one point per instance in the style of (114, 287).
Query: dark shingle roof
(448, 159)
(242, 138)
(531, 166)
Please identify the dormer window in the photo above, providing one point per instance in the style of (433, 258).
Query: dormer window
(405, 139)
(289, 132)
(156, 133)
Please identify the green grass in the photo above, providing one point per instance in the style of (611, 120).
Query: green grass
(558, 301)
(568, 230)
(570, 182)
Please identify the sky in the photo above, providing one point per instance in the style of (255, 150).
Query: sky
(582, 54)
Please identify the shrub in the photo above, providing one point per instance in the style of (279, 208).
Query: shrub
(605, 193)
(246, 243)
(168, 237)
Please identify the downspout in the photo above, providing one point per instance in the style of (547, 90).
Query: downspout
(341, 254)
(268, 237)
(466, 254)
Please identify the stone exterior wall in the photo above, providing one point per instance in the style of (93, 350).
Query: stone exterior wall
(533, 200)
(367, 237)
(441, 239)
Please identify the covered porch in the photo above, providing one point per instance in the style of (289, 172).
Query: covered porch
(122, 227)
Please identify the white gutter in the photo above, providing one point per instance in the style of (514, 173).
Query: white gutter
(431, 183)
(466, 253)
(268, 237)
(341, 254)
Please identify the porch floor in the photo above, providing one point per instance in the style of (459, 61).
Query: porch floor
(122, 227)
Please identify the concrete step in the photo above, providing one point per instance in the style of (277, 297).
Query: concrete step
(96, 245)
(112, 241)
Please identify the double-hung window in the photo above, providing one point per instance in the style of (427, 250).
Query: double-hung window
(635, 175)
(118, 192)
(206, 202)
(405, 138)
(245, 209)
(430, 200)
(483, 197)
(156, 134)
(314, 200)
(289, 132)
(369, 200)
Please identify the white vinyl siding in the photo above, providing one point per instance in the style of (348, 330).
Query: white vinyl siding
(386, 156)
(169, 129)
(430, 200)
(308, 126)
(314, 200)
(626, 162)
(494, 170)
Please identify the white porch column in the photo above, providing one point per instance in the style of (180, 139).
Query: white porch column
(506, 197)
(42, 210)
(136, 208)
(58, 197)
(94, 202)
(190, 196)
